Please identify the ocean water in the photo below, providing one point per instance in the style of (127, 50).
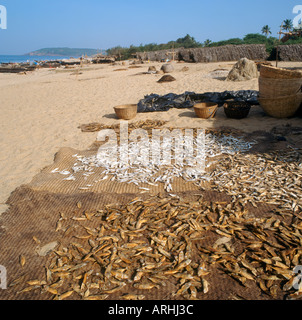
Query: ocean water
(25, 58)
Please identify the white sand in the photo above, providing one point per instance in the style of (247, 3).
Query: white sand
(41, 111)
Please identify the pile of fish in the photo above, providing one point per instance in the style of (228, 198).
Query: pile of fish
(161, 243)
(274, 178)
(152, 171)
(167, 243)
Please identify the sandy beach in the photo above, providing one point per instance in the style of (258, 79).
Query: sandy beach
(42, 110)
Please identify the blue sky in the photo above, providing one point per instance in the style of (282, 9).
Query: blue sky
(98, 24)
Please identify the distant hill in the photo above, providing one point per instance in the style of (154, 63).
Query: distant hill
(70, 52)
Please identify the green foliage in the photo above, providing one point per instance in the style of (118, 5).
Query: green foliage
(188, 42)
(254, 38)
(207, 43)
(233, 41)
(127, 53)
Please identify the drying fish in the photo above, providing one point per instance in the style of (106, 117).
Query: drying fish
(64, 172)
(140, 172)
(205, 285)
(51, 290)
(36, 240)
(22, 260)
(97, 297)
(145, 286)
(147, 243)
(27, 289)
(185, 287)
(64, 295)
(36, 282)
(133, 297)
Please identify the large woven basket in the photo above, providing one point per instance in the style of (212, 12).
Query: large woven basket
(279, 73)
(236, 109)
(282, 107)
(126, 111)
(205, 110)
(272, 88)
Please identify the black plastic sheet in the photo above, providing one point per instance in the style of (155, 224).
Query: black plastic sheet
(155, 102)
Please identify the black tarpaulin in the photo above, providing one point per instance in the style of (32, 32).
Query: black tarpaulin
(155, 102)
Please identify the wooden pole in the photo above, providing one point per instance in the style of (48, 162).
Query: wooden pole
(277, 49)
(173, 53)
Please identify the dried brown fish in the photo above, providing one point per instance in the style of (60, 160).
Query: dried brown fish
(51, 290)
(205, 285)
(133, 297)
(22, 260)
(183, 264)
(36, 240)
(185, 287)
(146, 244)
(27, 289)
(97, 297)
(65, 295)
(36, 282)
(145, 286)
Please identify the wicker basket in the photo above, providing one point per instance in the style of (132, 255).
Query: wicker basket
(279, 73)
(273, 88)
(126, 111)
(205, 110)
(283, 107)
(236, 109)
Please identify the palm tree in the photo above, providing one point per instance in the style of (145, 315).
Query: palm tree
(288, 25)
(266, 30)
(207, 43)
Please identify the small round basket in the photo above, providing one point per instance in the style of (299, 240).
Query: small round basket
(126, 111)
(236, 109)
(283, 107)
(205, 110)
(279, 73)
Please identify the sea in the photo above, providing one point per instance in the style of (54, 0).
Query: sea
(31, 59)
